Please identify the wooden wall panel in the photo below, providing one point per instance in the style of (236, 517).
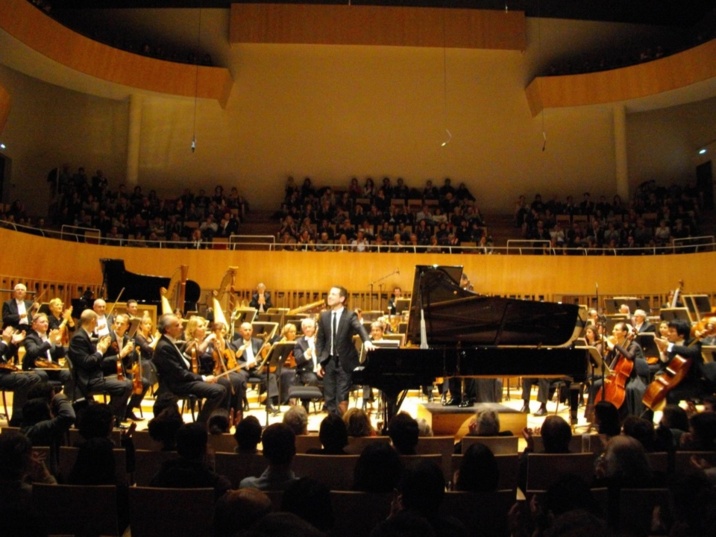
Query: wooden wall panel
(43, 34)
(39, 259)
(4, 107)
(377, 25)
(678, 71)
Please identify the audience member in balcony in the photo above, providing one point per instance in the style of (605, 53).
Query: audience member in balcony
(369, 189)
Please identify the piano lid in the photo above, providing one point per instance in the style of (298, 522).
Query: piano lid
(456, 316)
(140, 287)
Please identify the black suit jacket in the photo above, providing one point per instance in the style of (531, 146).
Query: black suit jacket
(86, 359)
(36, 348)
(255, 301)
(10, 315)
(348, 326)
(171, 366)
(303, 363)
(691, 352)
(256, 344)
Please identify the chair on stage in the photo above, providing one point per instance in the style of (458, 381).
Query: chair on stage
(168, 512)
(81, 510)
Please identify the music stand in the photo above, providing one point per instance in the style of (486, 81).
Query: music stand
(646, 340)
(277, 356)
(670, 314)
(599, 365)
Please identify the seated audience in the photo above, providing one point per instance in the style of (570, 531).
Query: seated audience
(247, 435)
(238, 510)
(296, 417)
(403, 432)
(279, 445)
(358, 423)
(333, 436)
(478, 470)
(190, 469)
(378, 468)
(311, 500)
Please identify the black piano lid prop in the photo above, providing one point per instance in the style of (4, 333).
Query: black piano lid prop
(144, 289)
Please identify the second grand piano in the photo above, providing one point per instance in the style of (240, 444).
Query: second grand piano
(458, 333)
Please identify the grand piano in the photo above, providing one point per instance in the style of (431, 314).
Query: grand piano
(453, 332)
(145, 289)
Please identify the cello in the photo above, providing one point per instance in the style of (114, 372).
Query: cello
(675, 371)
(614, 387)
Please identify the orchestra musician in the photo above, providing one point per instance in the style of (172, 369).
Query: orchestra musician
(622, 345)
(287, 377)
(17, 312)
(10, 378)
(641, 324)
(100, 308)
(261, 299)
(44, 344)
(249, 354)
(392, 301)
(336, 351)
(218, 357)
(60, 319)
(679, 343)
(87, 357)
(132, 308)
(123, 348)
(304, 354)
(145, 340)
(175, 373)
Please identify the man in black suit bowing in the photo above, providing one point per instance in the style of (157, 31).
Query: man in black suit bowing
(174, 370)
(87, 358)
(335, 350)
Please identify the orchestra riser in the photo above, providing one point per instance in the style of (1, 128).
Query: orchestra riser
(446, 420)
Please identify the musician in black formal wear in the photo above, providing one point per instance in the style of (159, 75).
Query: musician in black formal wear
(123, 349)
(335, 349)
(175, 373)
(261, 299)
(17, 312)
(87, 358)
(218, 357)
(641, 324)
(679, 343)
(10, 379)
(393, 300)
(305, 356)
(45, 345)
(249, 353)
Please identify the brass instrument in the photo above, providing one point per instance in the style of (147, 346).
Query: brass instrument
(308, 308)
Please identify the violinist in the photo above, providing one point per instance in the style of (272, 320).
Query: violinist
(123, 348)
(100, 308)
(43, 348)
(679, 343)
(219, 358)
(60, 319)
(17, 312)
(307, 367)
(641, 324)
(249, 353)
(146, 340)
(10, 379)
(621, 345)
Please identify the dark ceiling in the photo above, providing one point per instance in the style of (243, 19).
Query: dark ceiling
(683, 13)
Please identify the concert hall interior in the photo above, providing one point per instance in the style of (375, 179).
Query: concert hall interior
(555, 154)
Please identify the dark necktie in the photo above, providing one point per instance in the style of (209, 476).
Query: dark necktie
(333, 334)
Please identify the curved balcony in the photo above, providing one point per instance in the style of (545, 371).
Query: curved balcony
(689, 71)
(4, 107)
(40, 33)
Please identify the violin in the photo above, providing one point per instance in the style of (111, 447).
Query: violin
(137, 387)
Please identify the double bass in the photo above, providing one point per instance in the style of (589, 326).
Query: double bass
(614, 388)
